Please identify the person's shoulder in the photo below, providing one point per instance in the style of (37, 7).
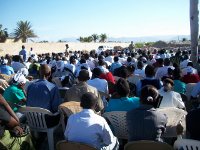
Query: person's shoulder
(91, 87)
(133, 98)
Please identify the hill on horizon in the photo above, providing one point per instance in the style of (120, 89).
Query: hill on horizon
(166, 38)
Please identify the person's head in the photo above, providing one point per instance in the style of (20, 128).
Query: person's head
(168, 84)
(166, 62)
(45, 71)
(124, 73)
(140, 65)
(131, 69)
(160, 61)
(149, 71)
(23, 47)
(4, 62)
(96, 72)
(149, 95)
(82, 61)
(102, 63)
(89, 101)
(19, 80)
(122, 87)
(190, 64)
(129, 59)
(23, 71)
(116, 59)
(100, 57)
(72, 60)
(83, 75)
(177, 74)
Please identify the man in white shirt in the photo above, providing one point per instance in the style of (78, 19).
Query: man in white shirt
(100, 84)
(163, 71)
(170, 98)
(90, 128)
(189, 69)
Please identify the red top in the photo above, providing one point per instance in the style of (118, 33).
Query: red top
(191, 78)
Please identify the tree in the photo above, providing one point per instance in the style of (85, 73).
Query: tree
(103, 37)
(160, 44)
(194, 31)
(95, 37)
(184, 39)
(3, 33)
(139, 45)
(24, 31)
(89, 39)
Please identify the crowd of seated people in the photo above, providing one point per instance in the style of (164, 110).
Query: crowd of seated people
(133, 81)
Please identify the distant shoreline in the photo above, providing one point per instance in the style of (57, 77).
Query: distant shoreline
(39, 48)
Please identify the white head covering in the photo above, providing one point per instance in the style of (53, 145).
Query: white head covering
(23, 71)
(4, 62)
(19, 78)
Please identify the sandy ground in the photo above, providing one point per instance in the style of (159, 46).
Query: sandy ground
(38, 48)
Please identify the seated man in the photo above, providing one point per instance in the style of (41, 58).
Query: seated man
(100, 84)
(90, 128)
(76, 91)
(149, 79)
(42, 93)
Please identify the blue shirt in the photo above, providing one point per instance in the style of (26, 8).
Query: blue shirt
(123, 104)
(43, 94)
(114, 66)
(23, 53)
(4, 69)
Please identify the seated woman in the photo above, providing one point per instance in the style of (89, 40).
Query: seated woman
(145, 122)
(15, 94)
(121, 101)
(179, 86)
(10, 122)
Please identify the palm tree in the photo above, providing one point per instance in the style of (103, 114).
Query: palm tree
(89, 39)
(103, 37)
(80, 39)
(3, 33)
(95, 37)
(24, 31)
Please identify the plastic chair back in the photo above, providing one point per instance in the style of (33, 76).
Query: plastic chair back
(174, 116)
(186, 144)
(67, 109)
(118, 122)
(147, 145)
(66, 145)
(36, 117)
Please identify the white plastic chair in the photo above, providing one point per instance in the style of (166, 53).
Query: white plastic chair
(174, 116)
(186, 144)
(118, 122)
(36, 121)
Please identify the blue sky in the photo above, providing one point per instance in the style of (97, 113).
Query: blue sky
(57, 19)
